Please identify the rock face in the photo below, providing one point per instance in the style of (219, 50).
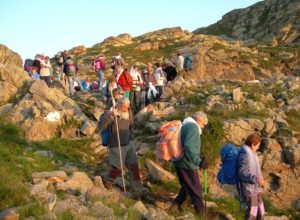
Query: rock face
(8, 57)
(78, 181)
(42, 110)
(270, 20)
(12, 78)
(236, 130)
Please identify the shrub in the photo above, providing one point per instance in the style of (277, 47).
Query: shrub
(212, 138)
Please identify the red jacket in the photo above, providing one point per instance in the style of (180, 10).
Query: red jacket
(125, 81)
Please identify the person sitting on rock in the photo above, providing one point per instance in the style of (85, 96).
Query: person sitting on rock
(129, 157)
(34, 73)
(250, 176)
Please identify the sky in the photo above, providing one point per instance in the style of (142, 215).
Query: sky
(29, 27)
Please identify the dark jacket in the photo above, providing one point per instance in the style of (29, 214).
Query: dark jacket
(37, 64)
(191, 143)
(125, 129)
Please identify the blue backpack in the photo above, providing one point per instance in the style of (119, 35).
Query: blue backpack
(188, 63)
(228, 172)
(104, 132)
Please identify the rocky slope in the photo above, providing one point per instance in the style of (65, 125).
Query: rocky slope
(270, 106)
(275, 21)
(213, 57)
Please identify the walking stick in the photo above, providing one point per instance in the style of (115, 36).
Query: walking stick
(119, 144)
(205, 193)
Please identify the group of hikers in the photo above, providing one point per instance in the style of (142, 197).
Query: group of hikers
(119, 122)
(126, 91)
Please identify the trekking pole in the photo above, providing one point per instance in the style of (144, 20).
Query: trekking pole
(205, 193)
(119, 143)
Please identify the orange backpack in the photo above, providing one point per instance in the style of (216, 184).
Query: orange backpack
(169, 146)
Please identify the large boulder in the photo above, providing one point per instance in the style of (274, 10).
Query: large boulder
(42, 110)
(158, 173)
(8, 57)
(237, 130)
(12, 78)
(79, 181)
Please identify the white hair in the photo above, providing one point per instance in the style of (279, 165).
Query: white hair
(201, 115)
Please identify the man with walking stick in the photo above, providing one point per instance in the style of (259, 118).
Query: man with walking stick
(120, 125)
(188, 165)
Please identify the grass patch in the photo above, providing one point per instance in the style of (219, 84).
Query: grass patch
(212, 138)
(16, 166)
(18, 162)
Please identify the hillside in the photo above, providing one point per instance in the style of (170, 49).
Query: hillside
(51, 162)
(52, 169)
(270, 21)
(213, 57)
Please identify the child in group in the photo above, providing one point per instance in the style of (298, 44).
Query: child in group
(34, 73)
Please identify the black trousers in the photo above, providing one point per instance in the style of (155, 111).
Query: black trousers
(190, 185)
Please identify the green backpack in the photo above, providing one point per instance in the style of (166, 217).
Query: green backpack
(71, 68)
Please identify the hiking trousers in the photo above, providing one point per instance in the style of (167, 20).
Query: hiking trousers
(135, 100)
(71, 80)
(190, 185)
(100, 74)
(47, 79)
(255, 208)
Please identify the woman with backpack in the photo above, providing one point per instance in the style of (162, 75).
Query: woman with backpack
(251, 179)
(135, 94)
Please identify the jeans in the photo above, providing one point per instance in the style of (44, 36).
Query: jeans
(101, 78)
(71, 79)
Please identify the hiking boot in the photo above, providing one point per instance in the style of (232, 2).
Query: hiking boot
(137, 189)
(114, 172)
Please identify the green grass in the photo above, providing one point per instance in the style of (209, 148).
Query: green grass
(212, 138)
(278, 212)
(229, 205)
(17, 164)
(16, 167)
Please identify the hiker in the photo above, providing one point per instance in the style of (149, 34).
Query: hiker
(129, 158)
(28, 65)
(187, 65)
(71, 72)
(179, 63)
(250, 176)
(170, 71)
(187, 166)
(99, 67)
(45, 72)
(117, 61)
(159, 77)
(34, 73)
(124, 80)
(37, 63)
(135, 94)
(144, 86)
